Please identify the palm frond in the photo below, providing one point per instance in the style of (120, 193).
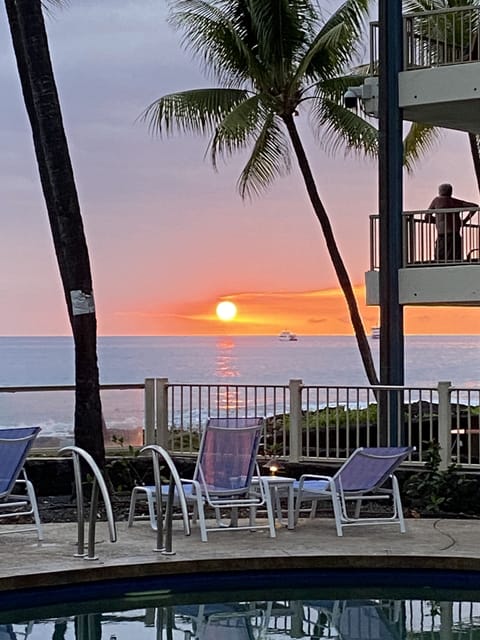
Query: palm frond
(282, 27)
(237, 128)
(212, 32)
(420, 140)
(336, 43)
(336, 127)
(49, 5)
(344, 29)
(270, 159)
(197, 111)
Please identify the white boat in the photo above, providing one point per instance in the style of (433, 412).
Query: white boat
(375, 333)
(287, 336)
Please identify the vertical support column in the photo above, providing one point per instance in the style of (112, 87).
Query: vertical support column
(390, 207)
(444, 424)
(295, 439)
(149, 400)
(161, 392)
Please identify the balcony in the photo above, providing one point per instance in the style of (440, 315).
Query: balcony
(440, 81)
(428, 276)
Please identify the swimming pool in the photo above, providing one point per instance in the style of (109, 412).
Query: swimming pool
(375, 604)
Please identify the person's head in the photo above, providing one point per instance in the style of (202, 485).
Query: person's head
(445, 189)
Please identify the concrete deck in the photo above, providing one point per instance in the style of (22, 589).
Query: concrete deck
(427, 544)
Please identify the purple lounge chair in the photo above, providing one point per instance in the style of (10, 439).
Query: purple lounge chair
(222, 480)
(15, 443)
(368, 474)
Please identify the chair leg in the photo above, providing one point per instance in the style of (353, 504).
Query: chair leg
(397, 504)
(358, 506)
(201, 517)
(33, 501)
(268, 504)
(151, 508)
(337, 511)
(298, 504)
(131, 511)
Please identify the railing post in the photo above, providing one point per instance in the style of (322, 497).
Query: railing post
(444, 424)
(161, 392)
(149, 400)
(295, 440)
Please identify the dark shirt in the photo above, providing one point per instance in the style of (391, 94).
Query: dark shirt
(448, 222)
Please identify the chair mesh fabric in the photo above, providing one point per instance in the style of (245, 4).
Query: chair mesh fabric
(227, 458)
(361, 620)
(234, 628)
(15, 444)
(234, 423)
(369, 468)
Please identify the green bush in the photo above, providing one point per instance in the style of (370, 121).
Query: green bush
(437, 491)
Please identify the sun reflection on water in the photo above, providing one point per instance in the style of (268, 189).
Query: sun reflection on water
(226, 359)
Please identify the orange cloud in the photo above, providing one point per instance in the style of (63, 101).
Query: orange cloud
(321, 312)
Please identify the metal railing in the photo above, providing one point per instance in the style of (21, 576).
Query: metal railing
(309, 422)
(427, 240)
(305, 422)
(122, 405)
(435, 38)
(97, 485)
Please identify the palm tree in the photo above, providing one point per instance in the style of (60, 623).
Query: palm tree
(273, 59)
(30, 43)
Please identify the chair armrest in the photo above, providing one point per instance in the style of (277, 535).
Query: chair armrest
(311, 477)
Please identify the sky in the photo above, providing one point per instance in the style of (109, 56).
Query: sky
(168, 236)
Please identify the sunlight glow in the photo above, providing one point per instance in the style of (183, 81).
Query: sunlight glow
(226, 310)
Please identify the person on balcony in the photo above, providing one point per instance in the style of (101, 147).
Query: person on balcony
(448, 247)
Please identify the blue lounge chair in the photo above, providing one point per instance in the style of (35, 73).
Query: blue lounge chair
(362, 619)
(15, 443)
(220, 621)
(368, 474)
(222, 480)
(147, 492)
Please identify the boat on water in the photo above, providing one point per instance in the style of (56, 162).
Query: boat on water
(375, 334)
(287, 336)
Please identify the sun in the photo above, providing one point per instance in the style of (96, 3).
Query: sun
(226, 310)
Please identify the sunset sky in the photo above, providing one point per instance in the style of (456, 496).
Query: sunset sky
(169, 237)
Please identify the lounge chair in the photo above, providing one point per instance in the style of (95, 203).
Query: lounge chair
(220, 621)
(367, 475)
(15, 443)
(222, 478)
(361, 619)
(159, 454)
(147, 492)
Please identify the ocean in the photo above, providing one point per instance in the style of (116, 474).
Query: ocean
(261, 360)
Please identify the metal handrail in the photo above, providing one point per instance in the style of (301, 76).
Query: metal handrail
(438, 37)
(71, 387)
(175, 483)
(419, 236)
(98, 483)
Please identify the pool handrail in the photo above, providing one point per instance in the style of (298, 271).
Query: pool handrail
(98, 483)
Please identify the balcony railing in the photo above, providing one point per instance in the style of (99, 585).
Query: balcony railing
(435, 38)
(303, 422)
(420, 236)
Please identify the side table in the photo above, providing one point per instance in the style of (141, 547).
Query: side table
(279, 485)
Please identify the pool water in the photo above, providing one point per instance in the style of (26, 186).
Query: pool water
(311, 605)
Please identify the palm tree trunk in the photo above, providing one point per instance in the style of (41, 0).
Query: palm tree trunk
(474, 141)
(337, 261)
(30, 43)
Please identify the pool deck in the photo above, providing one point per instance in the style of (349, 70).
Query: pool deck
(427, 544)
